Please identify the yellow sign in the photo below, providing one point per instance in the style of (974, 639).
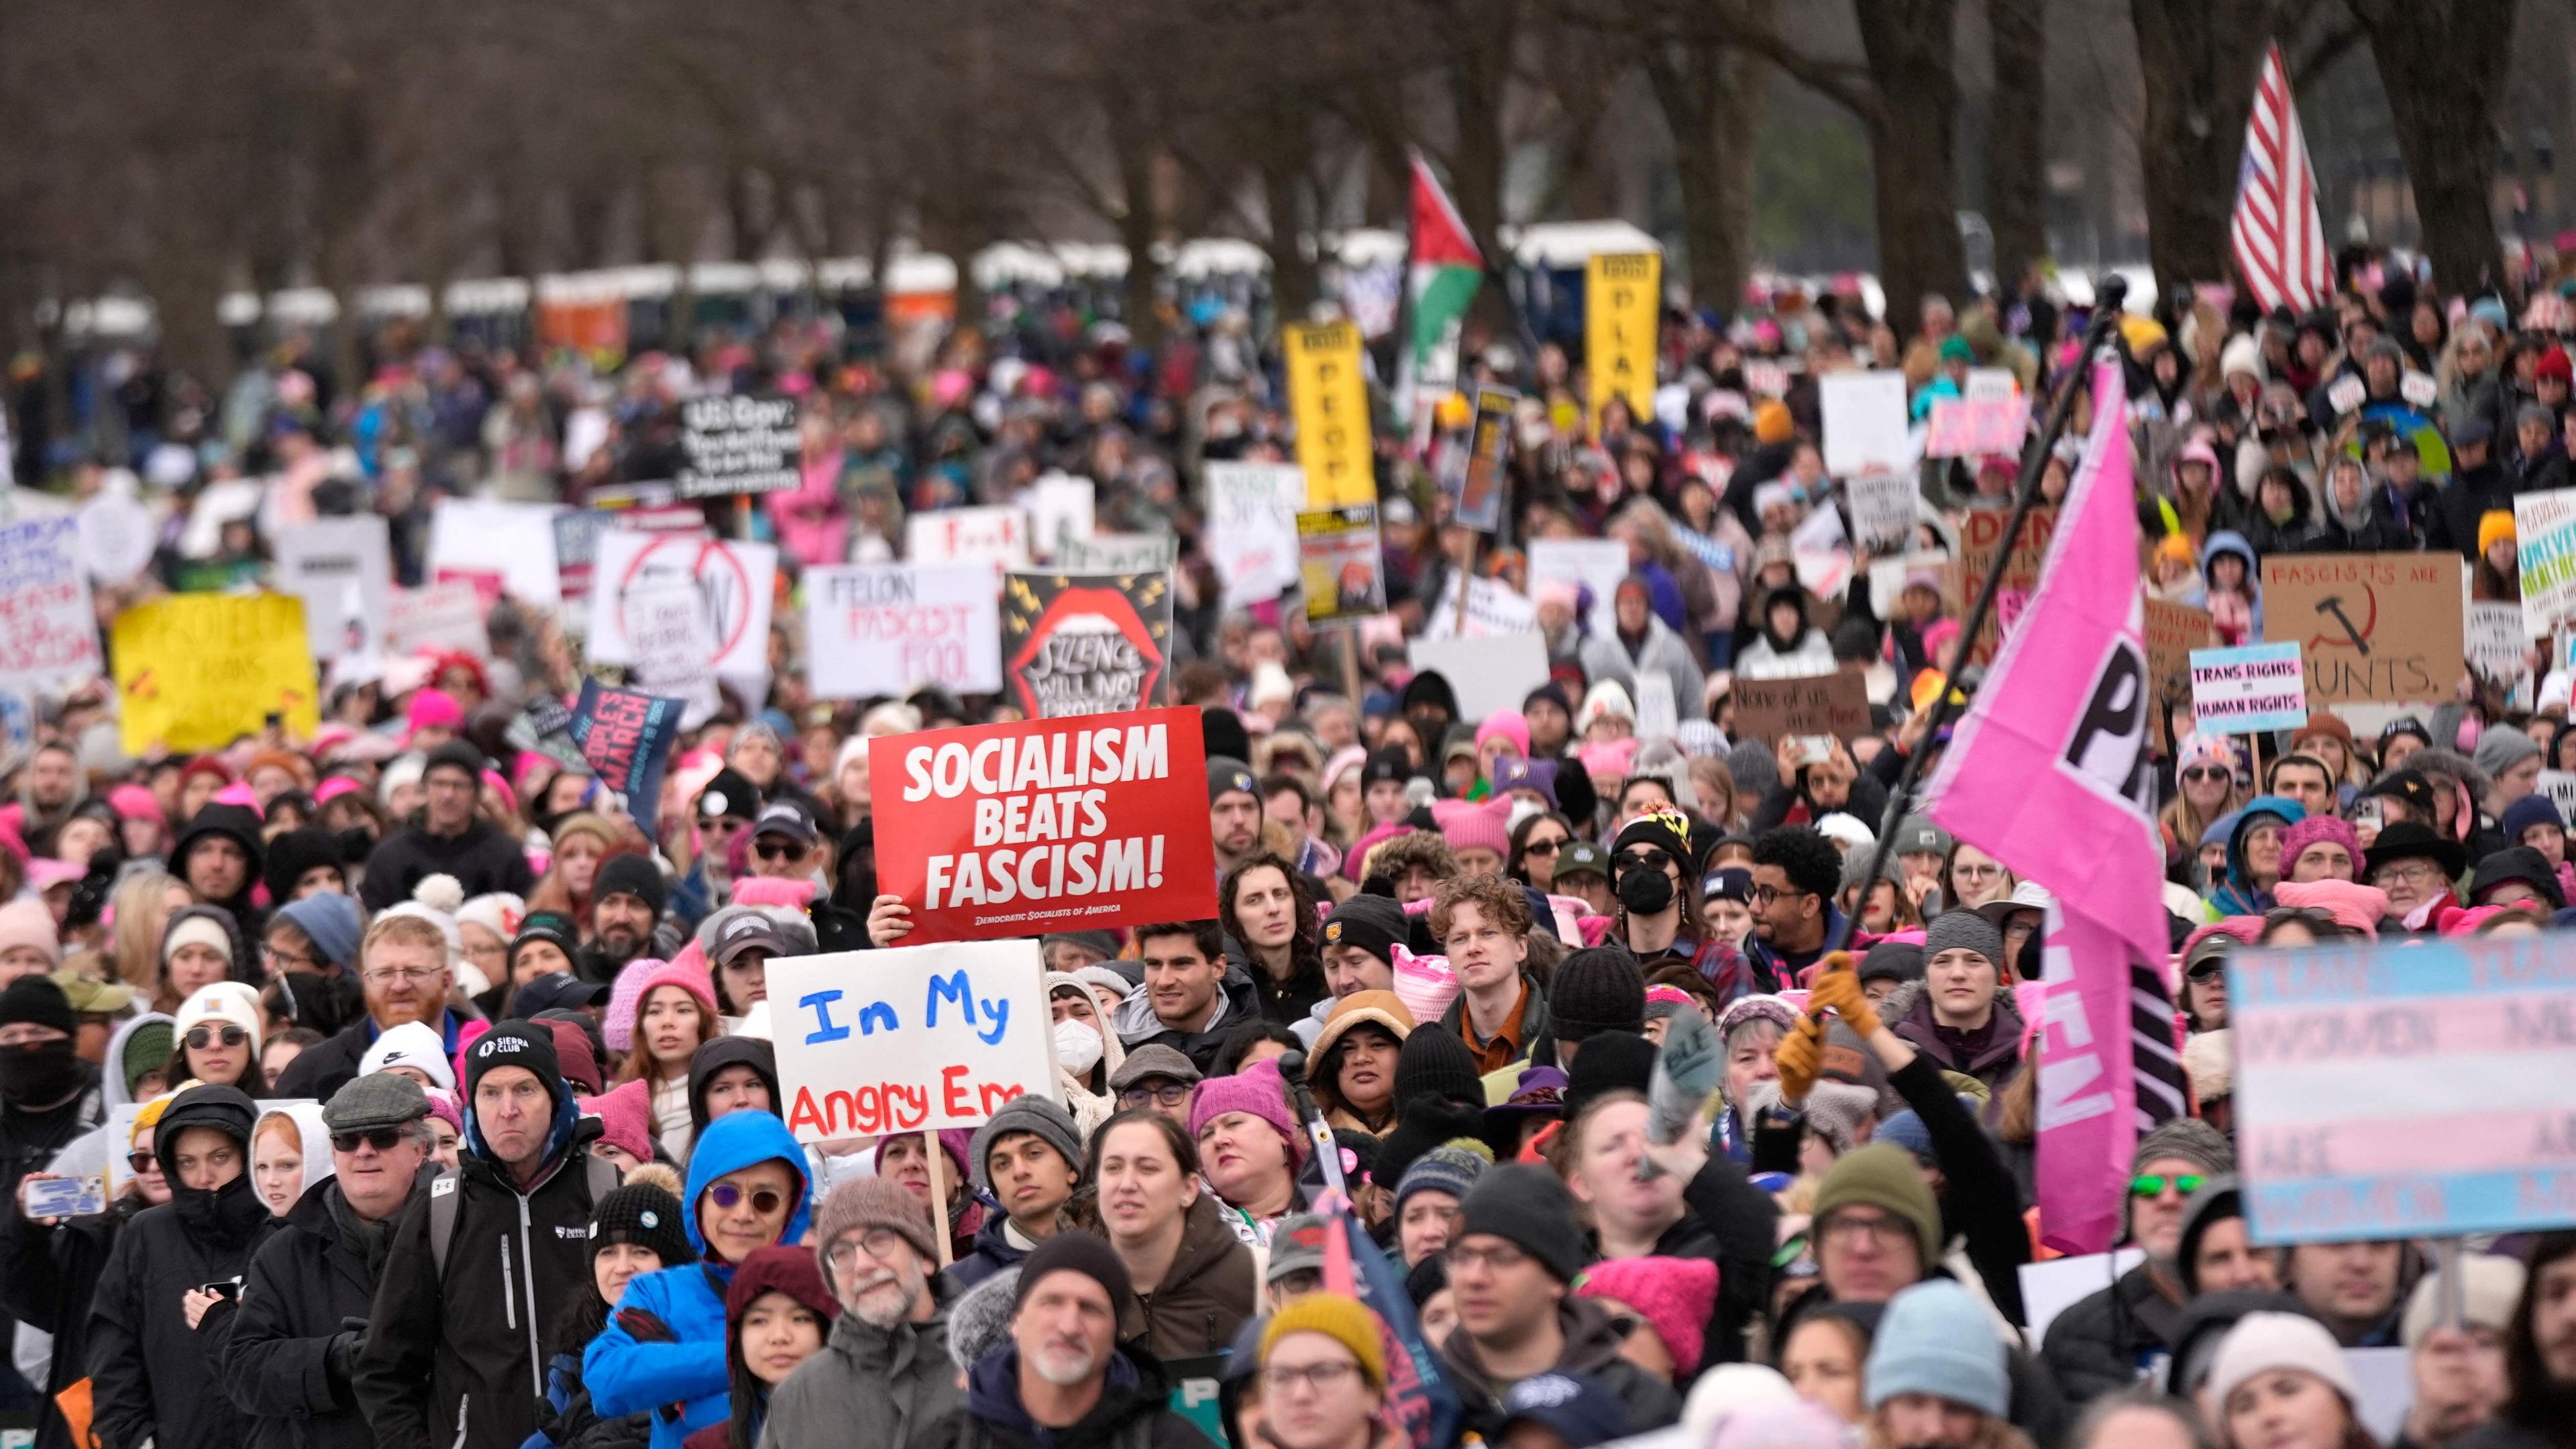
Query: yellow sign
(1330, 398)
(1622, 301)
(199, 671)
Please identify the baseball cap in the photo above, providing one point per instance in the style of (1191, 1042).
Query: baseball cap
(1580, 856)
(750, 931)
(785, 817)
(1298, 1244)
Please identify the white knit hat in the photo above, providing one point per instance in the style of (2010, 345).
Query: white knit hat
(2261, 1342)
(227, 1001)
(413, 1044)
(2490, 1285)
(498, 912)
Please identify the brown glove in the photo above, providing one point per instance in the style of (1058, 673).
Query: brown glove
(1839, 988)
(1798, 1056)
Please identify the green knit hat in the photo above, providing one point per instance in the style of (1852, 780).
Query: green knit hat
(147, 1049)
(1884, 1176)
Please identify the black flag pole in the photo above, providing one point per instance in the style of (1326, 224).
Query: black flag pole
(2109, 293)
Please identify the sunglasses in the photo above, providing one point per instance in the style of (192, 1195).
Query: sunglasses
(1542, 847)
(764, 1200)
(2204, 772)
(201, 1037)
(1644, 860)
(2153, 1184)
(383, 1139)
(141, 1159)
(770, 848)
(2207, 970)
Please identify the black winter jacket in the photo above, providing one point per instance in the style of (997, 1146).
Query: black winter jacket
(462, 1354)
(2105, 1341)
(483, 860)
(48, 1278)
(320, 1071)
(1133, 1411)
(305, 1283)
(153, 1377)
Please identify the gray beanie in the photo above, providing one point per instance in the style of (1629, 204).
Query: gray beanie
(1755, 768)
(2190, 1139)
(2501, 748)
(1963, 930)
(979, 1321)
(1041, 1117)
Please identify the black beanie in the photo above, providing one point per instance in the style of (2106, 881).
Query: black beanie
(1222, 735)
(1076, 1252)
(1423, 1123)
(1609, 1062)
(1526, 1205)
(1892, 961)
(1596, 989)
(515, 1044)
(460, 754)
(646, 1216)
(1372, 923)
(633, 875)
(1437, 1063)
(293, 853)
(37, 1000)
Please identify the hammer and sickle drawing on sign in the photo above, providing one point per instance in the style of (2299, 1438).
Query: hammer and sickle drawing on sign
(2355, 636)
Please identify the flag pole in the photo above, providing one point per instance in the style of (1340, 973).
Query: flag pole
(2109, 293)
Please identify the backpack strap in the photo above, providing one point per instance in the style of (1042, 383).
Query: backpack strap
(442, 1220)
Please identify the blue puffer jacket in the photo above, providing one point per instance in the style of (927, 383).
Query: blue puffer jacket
(629, 1377)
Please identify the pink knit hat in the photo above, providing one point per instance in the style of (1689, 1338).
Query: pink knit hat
(625, 1114)
(136, 802)
(625, 999)
(1675, 1295)
(1466, 823)
(442, 1105)
(1256, 1089)
(2316, 828)
(433, 709)
(1507, 723)
(2353, 907)
(1608, 759)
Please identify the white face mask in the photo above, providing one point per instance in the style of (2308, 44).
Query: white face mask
(1077, 1045)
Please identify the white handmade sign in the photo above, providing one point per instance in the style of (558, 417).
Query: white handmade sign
(910, 1039)
(891, 628)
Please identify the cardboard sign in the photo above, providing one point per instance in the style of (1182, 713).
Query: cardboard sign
(674, 649)
(1981, 534)
(513, 540)
(1075, 644)
(747, 443)
(1598, 562)
(1344, 571)
(734, 583)
(342, 568)
(2173, 631)
(625, 735)
(875, 629)
(48, 626)
(2413, 1089)
(1252, 528)
(2371, 626)
(1045, 825)
(1328, 396)
(1622, 304)
(2544, 530)
(1834, 704)
(1118, 553)
(439, 618)
(1882, 511)
(996, 536)
(1473, 608)
(2494, 638)
(1477, 490)
(915, 1038)
(199, 671)
(1489, 673)
(2252, 690)
(1864, 418)
(1975, 427)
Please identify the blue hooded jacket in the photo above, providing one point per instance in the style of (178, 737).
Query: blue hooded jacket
(2239, 896)
(626, 1376)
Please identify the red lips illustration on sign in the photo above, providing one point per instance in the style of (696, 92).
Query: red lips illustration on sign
(1082, 646)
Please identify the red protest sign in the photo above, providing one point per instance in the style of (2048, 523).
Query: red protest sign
(1045, 825)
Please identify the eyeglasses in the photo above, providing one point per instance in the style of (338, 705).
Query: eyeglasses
(764, 1200)
(201, 1037)
(141, 1159)
(1321, 1377)
(772, 848)
(1170, 1094)
(2153, 1184)
(1970, 870)
(877, 1243)
(1764, 895)
(2413, 872)
(288, 959)
(1876, 1227)
(2204, 772)
(408, 976)
(1549, 846)
(383, 1139)
(1501, 1258)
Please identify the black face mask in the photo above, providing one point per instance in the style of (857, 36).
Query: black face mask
(1644, 892)
(39, 1073)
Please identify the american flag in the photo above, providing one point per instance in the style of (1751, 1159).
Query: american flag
(2279, 241)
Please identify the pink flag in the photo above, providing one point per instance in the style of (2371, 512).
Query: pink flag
(2050, 773)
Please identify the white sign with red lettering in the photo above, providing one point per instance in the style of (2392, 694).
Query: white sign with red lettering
(875, 629)
(998, 536)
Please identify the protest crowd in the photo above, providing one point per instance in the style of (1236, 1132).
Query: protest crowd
(1555, 1037)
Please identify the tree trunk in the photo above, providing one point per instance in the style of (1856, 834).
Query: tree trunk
(1139, 222)
(1712, 100)
(1910, 45)
(1479, 78)
(2446, 130)
(2017, 162)
(1284, 149)
(2200, 61)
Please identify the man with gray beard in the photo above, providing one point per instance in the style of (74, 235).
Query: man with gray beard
(883, 1377)
(1062, 1380)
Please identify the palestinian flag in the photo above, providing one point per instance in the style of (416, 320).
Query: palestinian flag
(1441, 282)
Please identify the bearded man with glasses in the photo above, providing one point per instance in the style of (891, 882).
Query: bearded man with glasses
(406, 976)
(883, 1376)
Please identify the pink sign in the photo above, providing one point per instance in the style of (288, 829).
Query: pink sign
(1974, 427)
